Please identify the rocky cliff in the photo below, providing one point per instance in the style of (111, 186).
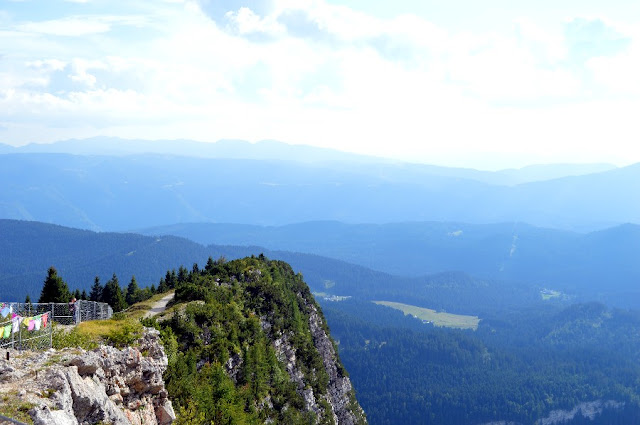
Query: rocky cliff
(106, 385)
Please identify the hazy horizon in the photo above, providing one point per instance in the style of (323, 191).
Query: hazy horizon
(487, 168)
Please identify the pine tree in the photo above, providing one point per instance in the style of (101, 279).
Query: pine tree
(96, 290)
(133, 292)
(77, 294)
(210, 265)
(112, 294)
(183, 274)
(83, 295)
(170, 279)
(162, 286)
(54, 290)
(27, 300)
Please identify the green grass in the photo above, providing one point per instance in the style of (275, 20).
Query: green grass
(121, 330)
(446, 320)
(550, 294)
(13, 407)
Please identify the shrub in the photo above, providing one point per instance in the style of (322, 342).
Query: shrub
(125, 334)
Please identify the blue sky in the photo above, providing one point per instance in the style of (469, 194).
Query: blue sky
(491, 84)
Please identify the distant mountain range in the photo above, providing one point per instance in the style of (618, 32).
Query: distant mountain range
(29, 248)
(129, 192)
(278, 151)
(578, 266)
(605, 261)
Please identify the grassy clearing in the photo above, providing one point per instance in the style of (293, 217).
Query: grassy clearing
(548, 294)
(121, 330)
(446, 320)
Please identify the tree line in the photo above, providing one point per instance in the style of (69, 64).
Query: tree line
(56, 290)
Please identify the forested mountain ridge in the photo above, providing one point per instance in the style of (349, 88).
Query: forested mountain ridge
(29, 248)
(604, 264)
(248, 344)
(529, 355)
(527, 367)
(128, 192)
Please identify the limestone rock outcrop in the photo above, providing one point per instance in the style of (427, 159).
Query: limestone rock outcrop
(106, 385)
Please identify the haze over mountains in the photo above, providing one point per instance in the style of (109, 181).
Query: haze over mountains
(274, 150)
(575, 262)
(542, 258)
(117, 192)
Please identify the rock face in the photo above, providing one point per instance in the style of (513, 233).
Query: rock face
(105, 385)
(340, 395)
(346, 409)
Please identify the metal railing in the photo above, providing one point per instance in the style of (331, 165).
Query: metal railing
(66, 313)
(26, 332)
(39, 335)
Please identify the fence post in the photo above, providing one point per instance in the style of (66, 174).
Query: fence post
(51, 308)
(51, 330)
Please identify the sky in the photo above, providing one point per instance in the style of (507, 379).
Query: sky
(489, 85)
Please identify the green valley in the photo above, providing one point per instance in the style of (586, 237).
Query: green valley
(441, 319)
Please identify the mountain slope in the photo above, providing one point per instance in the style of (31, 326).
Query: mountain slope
(123, 193)
(251, 346)
(29, 248)
(604, 263)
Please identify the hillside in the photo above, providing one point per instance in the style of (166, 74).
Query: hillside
(547, 349)
(30, 248)
(129, 192)
(251, 346)
(245, 343)
(603, 264)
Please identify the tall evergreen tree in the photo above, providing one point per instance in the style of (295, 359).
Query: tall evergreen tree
(54, 290)
(27, 300)
(171, 278)
(96, 290)
(76, 294)
(83, 295)
(133, 292)
(210, 265)
(112, 294)
(162, 286)
(183, 274)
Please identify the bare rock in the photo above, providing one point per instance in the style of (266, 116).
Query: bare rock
(42, 415)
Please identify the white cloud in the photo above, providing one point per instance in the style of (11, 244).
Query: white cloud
(69, 27)
(245, 21)
(333, 76)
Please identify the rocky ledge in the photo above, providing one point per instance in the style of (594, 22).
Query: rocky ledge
(106, 385)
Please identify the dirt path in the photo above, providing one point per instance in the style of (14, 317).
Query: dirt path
(159, 306)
